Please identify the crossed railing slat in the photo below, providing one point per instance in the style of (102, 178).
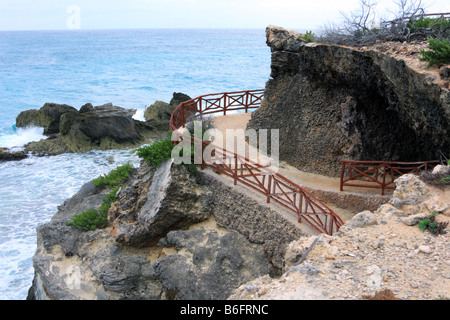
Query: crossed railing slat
(378, 174)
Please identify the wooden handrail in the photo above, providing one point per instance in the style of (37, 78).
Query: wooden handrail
(379, 174)
(250, 173)
(438, 15)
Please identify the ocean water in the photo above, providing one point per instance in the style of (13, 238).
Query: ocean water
(131, 69)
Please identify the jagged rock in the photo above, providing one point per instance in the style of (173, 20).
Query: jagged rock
(182, 255)
(174, 201)
(332, 102)
(48, 117)
(105, 121)
(6, 155)
(159, 113)
(409, 190)
(212, 266)
(103, 127)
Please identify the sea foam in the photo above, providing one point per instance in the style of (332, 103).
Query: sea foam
(21, 136)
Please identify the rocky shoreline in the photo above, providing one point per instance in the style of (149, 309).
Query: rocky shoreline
(169, 237)
(102, 127)
(174, 234)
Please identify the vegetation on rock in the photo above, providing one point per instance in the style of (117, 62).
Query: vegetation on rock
(364, 26)
(92, 219)
(156, 153)
(114, 178)
(430, 224)
(439, 52)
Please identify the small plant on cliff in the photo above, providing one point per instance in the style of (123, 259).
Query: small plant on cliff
(309, 36)
(88, 221)
(439, 52)
(433, 226)
(115, 177)
(91, 220)
(156, 153)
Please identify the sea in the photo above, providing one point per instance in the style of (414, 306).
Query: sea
(129, 68)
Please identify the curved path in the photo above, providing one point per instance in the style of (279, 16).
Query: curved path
(260, 177)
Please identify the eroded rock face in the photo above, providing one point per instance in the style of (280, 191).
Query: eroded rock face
(159, 113)
(169, 237)
(332, 102)
(96, 128)
(211, 265)
(48, 117)
(173, 201)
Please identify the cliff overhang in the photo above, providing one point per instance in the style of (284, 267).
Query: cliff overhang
(332, 102)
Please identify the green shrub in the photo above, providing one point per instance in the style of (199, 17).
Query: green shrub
(430, 224)
(88, 221)
(429, 23)
(439, 53)
(95, 219)
(309, 36)
(91, 220)
(157, 152)
(115, 177)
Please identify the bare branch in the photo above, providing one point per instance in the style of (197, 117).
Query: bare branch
(358, 29)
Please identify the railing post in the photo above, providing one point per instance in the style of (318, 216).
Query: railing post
(199, 105)
(235, 169)
(342, 175)
(269, 186)
(246, 101)
(225, 104)
(384, 180)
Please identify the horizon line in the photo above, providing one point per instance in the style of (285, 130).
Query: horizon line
(148, 28)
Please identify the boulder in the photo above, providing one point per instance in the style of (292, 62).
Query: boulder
(106, 121)
(361, 220)
(173, 201)
(159, 113)
(48, 117)
(6, 155)
(103, 127)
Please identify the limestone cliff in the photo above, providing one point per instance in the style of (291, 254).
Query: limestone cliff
(171, 235)
(333, 102)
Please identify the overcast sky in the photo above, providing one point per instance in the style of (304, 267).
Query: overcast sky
(119, 14)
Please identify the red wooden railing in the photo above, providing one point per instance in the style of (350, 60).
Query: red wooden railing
(215, 103)
(378, 174)
(243, 170)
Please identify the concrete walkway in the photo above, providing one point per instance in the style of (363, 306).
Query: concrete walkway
(346, 204)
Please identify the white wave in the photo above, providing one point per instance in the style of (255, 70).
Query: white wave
(21, 137)
(139, 115)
